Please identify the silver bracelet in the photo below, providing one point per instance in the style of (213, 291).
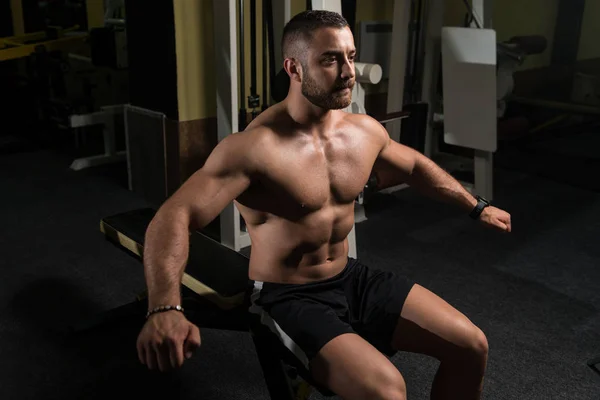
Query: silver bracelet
(163, 308)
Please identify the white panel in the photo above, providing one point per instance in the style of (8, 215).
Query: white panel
(469, 75)
(330, 5)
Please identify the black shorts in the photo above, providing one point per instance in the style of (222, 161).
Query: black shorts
(304, 317)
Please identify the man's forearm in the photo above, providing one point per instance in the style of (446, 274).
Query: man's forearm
(166, 252)
(431, 180)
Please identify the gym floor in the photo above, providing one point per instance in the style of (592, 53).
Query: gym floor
(534, 292)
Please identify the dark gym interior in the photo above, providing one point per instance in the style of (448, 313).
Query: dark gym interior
(534, 292)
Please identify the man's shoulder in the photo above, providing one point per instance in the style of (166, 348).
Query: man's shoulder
(245, 145)
(367, 125)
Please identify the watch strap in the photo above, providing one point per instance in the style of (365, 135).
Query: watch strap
(478, 209)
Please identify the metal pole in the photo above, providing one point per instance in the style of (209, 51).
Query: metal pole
(253, 99)
(242, 118)
(227, 103)
(273, 68)
(253, 46)
(265, 46)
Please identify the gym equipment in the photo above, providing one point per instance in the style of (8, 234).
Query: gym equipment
(53, 39)
(108, 44)
(106, 117)
(366, 74)
(253, 98)
(216, 294)
(265, 64)
(413, 71)
(226, 60)
(469, 68)
(510, 56)
(479, 16)
(242, 73)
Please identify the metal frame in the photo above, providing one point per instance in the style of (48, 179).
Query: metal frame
(433, 27)
(397, 70)
(484, 160)
(227, 107)
(105, 117)
(133, 134)
(14, 47)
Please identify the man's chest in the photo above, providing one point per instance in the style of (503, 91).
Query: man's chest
(316, 174)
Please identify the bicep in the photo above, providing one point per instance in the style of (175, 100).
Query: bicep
(398, 157)
(395, 161)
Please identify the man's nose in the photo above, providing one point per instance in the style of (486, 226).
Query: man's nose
(348, 71)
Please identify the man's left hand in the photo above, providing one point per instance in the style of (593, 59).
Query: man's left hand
(496, 218)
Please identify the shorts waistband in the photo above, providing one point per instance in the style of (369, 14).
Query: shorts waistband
(260, 285)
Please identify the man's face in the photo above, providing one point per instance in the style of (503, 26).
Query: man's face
(328, 69)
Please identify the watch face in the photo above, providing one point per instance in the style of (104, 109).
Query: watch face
(482, 199)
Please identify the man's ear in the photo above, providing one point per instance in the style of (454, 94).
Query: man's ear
(293, 69)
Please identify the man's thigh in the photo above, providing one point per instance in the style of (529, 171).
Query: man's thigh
(354, 369)
(430, 325)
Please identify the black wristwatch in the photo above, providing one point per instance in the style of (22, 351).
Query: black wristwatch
(481, 204)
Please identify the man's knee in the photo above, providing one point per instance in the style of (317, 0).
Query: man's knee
(474, 347)
(390, 385)
(392, 392)
(479, 343)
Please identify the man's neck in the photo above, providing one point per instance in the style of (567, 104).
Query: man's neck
(305, 113)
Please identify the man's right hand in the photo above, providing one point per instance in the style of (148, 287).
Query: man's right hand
(166, 339)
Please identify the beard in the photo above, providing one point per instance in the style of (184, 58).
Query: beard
(332, 99)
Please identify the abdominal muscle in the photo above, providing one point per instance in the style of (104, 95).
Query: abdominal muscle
(312, 248)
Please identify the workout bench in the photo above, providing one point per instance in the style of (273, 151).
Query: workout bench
(216, 294)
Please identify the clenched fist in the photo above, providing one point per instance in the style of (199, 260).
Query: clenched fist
(496, 218)
(166, 339)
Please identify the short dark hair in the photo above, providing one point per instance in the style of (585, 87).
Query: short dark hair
(299, 29)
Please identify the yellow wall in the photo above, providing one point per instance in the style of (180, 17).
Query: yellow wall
(196, 90)
(16, 8)
(590, 31)
(454, 12)
(95, 13)
(297, 6)
(378, 10)
(194, 33)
